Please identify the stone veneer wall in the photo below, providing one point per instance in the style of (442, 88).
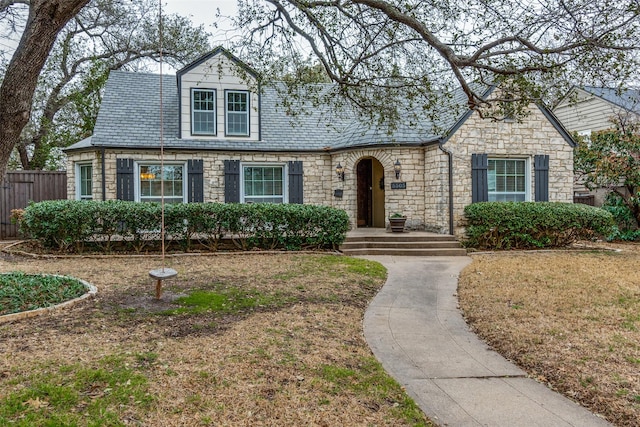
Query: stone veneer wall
(320, 179)
(437, 190)
(409, 202)
(317, 170)
(535, 135)
(425, 201)
(92, 157)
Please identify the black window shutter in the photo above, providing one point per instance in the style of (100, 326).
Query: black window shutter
(195, 179)
(232, 181)
(124, 179)
(479, 178)
(296, 192)
(541, 171)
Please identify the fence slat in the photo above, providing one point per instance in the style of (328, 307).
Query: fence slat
(22, 187)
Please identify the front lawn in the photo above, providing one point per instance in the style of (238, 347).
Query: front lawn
(570, 319)
(252, 339)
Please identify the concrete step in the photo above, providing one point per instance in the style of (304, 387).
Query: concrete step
(407, 252)
(402, 237)
(379, 242)
(400, 245)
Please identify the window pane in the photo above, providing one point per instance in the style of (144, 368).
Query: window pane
(263, 184)
(85, 181)
(237, 113)
(204, 115)
(151, 181)
(507, 180)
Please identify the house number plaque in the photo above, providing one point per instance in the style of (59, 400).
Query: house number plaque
(398, 185)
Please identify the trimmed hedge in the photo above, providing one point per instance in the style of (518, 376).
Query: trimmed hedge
(70, 225)
(527, 225)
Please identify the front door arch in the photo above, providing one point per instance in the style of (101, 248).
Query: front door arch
(370, 205)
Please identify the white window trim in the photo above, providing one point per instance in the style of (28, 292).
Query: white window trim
(285, 178)
(528, 183)
(226, 112)
(79, 179)
(214, 112)
(136, 187)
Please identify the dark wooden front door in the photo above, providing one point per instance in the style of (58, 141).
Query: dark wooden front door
(365, 197)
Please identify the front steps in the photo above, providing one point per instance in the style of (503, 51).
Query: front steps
(373, 241)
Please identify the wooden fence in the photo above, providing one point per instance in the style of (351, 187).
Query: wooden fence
(21, 187)
(588, 199)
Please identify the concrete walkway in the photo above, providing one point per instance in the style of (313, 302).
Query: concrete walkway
(417, 332)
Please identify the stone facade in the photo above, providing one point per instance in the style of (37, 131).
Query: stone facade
(128, 127)
(425, 200)
(534, 135)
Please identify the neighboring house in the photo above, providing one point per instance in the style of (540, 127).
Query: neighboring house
(590, 109)
(227, 141)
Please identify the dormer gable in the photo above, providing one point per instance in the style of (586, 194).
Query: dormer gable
(219, 98)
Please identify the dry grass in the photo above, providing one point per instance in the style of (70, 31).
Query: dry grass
(571, 319)
(303, 361)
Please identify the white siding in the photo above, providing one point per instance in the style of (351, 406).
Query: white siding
(221, 74)
(586, 113)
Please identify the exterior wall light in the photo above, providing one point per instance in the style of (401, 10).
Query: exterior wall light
(397, 168)
(340, 172)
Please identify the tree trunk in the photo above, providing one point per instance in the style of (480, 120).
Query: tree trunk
(46, 19)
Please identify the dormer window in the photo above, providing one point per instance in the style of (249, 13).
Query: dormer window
(203, 111)
(236, 113)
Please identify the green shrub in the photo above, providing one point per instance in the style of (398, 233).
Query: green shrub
(626, 226)
(67, 225)
(525, 225)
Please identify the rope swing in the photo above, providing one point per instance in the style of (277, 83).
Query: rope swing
(161, 273)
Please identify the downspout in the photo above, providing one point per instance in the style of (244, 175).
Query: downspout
(450, 167)
(104, 185)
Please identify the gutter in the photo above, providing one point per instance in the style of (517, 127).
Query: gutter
(450, 170)
(104, 185)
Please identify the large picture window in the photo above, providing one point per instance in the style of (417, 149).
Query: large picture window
(263, 184)
(507, 180)
(151, 179)
(237, 113)
(203, 111)
(84, 181)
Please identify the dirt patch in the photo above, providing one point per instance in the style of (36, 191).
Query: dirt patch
(269, 365)
(571, 319)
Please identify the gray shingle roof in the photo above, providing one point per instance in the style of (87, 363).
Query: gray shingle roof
(129, 118)
(628, 99)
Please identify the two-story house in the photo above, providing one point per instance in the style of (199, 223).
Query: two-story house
(227, 138)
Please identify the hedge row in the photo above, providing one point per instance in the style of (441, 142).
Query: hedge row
(69, 225)
(526, 225)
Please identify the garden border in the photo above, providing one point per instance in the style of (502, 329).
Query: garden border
(91, 292)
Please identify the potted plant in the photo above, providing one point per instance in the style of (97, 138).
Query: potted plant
(397, 221)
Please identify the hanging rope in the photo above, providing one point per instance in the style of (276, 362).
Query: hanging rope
(161, 138)
(161, 273)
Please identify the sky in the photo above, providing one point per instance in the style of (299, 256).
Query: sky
(204, 12)
(199, 11)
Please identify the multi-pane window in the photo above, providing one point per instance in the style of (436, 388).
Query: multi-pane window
(237, 113)
(507, 180)
(84, 181)
(151, 180)
(263, 184)
(203, 111)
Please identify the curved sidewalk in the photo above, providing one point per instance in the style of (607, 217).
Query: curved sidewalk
(415, 329)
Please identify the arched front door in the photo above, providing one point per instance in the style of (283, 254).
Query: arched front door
(370, 193)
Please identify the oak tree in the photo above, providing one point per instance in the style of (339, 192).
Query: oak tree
(45, 20)
(402, 58)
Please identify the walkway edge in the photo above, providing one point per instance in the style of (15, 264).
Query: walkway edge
(415, 329)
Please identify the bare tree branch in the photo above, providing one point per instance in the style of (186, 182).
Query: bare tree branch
(428, 49)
